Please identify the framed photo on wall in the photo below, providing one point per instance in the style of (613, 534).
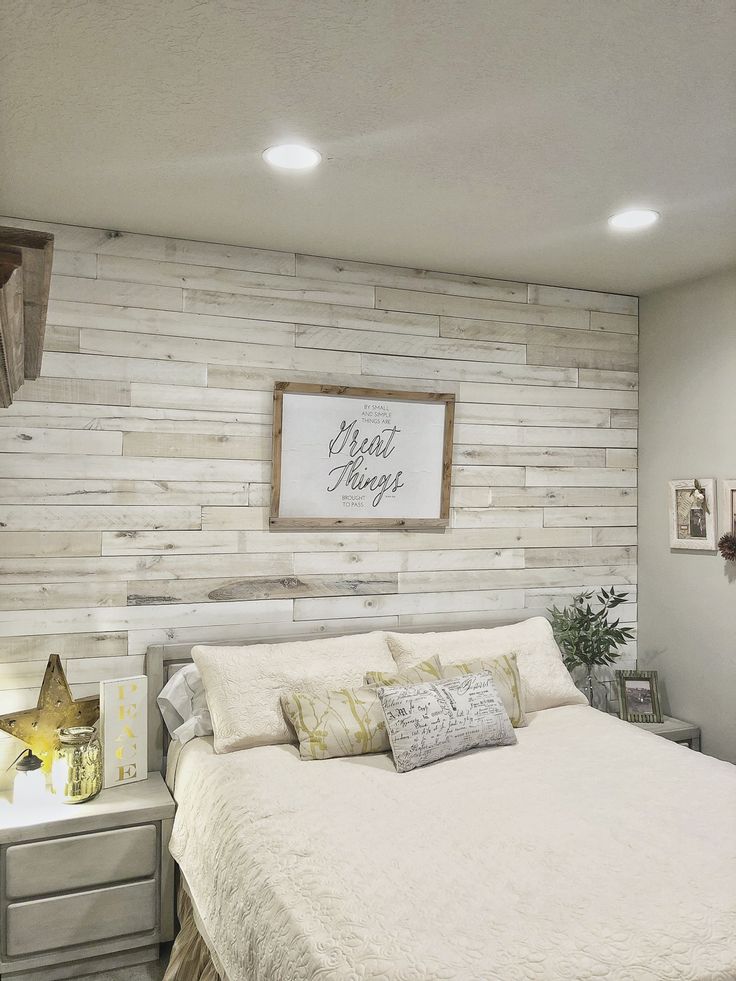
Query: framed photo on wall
(693, 514)
(360, 457)
(638, 696)
(727, 507)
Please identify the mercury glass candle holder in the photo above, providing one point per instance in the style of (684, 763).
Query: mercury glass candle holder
(76, 771)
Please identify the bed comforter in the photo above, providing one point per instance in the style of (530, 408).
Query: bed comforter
(590, 850)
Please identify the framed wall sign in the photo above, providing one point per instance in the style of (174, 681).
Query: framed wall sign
(124, 730)
(693, 514)
(360, 457)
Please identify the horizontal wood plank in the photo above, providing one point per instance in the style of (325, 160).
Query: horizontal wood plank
(139, 320)
(572, 517)
(542, 337)
(52, 441)
(42, 543)
(259, 588)
(197, 447)
(124, 369)
(174, 542)
(376, 342)
(581, 476)
(83, 518)
(133, 468)
(201, 352)
(584, 299)
(76, 391)
(513, 374)
(219, 278)
(95, 619)
(37, 647)
(33, 491)
(494, 414)
(335, 608)
(149, 566)
(474, 308)
(342, 270)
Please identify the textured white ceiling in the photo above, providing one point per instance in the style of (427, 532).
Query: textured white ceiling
(483, 136)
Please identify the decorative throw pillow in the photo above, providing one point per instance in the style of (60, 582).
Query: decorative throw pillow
(348, 722)
(244, 685)
(430, 721)
(429, 670)
(545, 681)
(505, 674)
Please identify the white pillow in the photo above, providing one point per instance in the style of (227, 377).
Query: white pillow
(183, 705)
(545, 681)
(244, 685)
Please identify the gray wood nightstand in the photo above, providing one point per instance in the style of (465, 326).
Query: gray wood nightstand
(86, 887)
(675, 730)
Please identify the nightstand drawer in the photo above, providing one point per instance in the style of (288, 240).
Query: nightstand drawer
(84, 917)
(62, 864)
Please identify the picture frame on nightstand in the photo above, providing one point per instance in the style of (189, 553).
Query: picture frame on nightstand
(638, 696)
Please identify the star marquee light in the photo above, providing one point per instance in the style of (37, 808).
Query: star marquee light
(56, 709)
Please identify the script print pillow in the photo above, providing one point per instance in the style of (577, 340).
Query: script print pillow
(430, 721)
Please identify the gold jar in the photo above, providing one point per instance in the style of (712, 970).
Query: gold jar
(76, 772)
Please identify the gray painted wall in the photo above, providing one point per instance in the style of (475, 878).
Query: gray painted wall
(687, 612)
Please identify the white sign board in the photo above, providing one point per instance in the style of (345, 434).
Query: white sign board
(124, 730)
(360, 457)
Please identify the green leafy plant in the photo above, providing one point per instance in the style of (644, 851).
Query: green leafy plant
(585, 636)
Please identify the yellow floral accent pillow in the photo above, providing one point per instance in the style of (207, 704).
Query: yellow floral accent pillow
(429, 670)
(348, 722)
(505, 675)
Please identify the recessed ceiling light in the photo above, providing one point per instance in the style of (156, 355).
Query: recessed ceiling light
(292, 156)
(633, 219)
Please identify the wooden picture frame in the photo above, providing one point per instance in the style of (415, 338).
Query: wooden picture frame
(693, 514)
(638, 689)
(727, 507)
(306, 436)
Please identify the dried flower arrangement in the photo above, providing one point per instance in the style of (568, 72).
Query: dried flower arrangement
(727, 547)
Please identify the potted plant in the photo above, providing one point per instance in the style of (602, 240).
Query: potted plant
(588, 639)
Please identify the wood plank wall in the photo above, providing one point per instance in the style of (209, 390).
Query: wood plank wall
(134, 474)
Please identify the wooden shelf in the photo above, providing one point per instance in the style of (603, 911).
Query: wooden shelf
(25, 277)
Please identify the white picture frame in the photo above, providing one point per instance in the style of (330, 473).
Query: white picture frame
(727, 507)
(360, 458)
(692, 516)
(124, 730)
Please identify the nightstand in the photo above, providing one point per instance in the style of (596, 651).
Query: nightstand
(675, 730)
(86, 887)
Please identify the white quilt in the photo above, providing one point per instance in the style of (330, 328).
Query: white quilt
(590, 850)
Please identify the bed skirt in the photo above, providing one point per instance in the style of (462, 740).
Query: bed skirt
(190, 957)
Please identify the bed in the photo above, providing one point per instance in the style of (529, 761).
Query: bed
(588, 850)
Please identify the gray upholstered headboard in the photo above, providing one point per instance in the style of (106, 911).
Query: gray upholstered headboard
(163, 659)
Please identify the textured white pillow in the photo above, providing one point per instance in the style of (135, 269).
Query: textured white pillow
(244, 685)
(545, 681)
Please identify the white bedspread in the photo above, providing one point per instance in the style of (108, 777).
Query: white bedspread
(590, 850)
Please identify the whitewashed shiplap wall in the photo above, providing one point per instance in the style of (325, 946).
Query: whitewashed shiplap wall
(134, 473)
